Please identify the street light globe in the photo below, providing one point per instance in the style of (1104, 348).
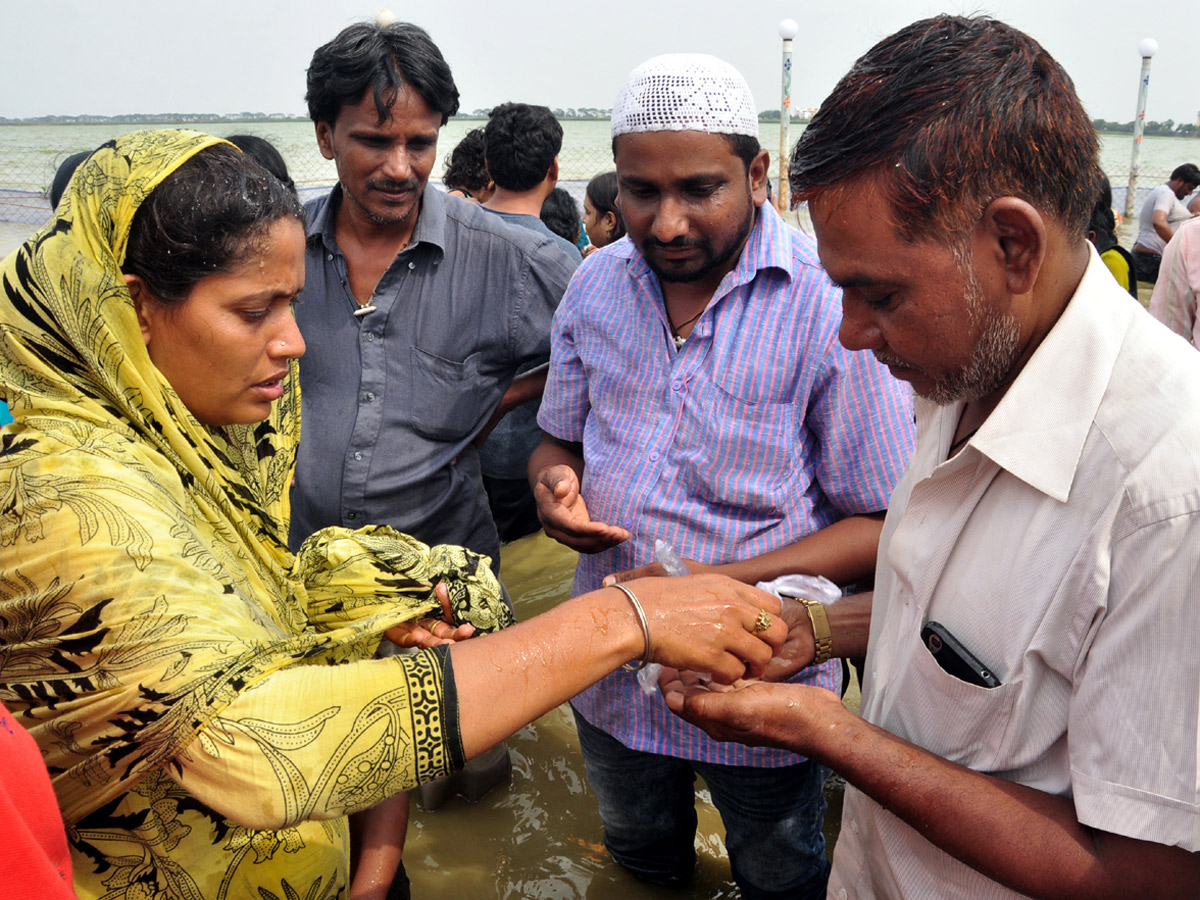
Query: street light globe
(788, 29)
(1146, 48)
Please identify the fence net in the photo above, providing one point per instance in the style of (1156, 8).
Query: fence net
(28, 167)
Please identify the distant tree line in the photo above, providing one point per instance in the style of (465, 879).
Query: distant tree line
(153, 118)
(582, 112)
(1153, 129)
(772, 115)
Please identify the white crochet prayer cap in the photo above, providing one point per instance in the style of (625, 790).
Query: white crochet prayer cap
(685, 92)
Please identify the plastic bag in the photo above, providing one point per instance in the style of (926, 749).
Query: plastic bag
(647, 675)
(808, 587)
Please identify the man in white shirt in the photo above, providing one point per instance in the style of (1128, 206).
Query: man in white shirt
(1031, 685)
(1161, 215)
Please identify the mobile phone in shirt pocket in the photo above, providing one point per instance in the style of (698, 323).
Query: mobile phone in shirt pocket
(955, 658)
(962, 721)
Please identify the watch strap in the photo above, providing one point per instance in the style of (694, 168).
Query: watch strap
(822, 635)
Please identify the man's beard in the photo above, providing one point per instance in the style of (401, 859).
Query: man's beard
(992, 358)
(711, 259)
(382, 219)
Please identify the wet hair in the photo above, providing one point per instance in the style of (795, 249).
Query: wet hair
(1188, 173)
(947, 115)
(464, 164)
(744, 146)
(520, 144)
(204, 219)
(602, 192)
(560, 212)
(62, 176)
(383, 59)
(265, 153)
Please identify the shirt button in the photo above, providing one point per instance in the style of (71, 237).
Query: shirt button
(329, 257)
(653, 456)
(676, 385)
(370, 396)
(370, 336)
(352, 515)
(358, 454)
(412, 264)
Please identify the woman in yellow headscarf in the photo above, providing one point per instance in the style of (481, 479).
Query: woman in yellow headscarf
(207, 703)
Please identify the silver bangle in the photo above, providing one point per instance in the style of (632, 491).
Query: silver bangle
(641, 614)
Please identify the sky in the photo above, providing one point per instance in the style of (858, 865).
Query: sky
(111, 57)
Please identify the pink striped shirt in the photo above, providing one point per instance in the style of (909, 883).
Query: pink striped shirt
(759, 431)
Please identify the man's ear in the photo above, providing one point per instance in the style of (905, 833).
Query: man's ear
(759, 167)
(141, 304)
(1016, 236)
(325, 139)
(552, 173)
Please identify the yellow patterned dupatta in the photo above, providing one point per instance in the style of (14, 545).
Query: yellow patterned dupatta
(206, 703)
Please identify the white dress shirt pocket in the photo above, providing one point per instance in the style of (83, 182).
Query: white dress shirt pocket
(962, 722)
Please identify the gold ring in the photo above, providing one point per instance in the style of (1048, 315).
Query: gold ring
(762, 623)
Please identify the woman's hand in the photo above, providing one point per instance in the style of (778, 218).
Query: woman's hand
(430, 632)
(711, 624)
(426, 633)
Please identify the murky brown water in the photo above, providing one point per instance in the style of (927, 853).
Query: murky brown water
(541, 838)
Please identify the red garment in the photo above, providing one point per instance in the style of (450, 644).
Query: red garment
(33, 843)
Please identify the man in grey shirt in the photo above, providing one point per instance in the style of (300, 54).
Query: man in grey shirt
(521, 145)
(521, 154)
(418, 308)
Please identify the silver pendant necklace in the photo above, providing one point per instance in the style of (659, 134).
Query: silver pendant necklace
(369, 307)
(678, 338)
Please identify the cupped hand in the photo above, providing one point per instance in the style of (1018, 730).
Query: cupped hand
(756, 713)
(564, 514)
(706, 623)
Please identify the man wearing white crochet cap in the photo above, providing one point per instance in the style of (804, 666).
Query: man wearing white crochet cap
(697, 394)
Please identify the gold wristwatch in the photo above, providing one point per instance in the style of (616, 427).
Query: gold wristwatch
(822, 636)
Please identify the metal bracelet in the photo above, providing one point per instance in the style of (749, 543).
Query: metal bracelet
(822, 636)
(641, 615)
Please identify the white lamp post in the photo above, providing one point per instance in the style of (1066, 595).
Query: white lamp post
(788, 29)
(1146, 49)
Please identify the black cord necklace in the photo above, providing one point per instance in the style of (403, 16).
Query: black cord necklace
(679, 339)
(960, 443)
